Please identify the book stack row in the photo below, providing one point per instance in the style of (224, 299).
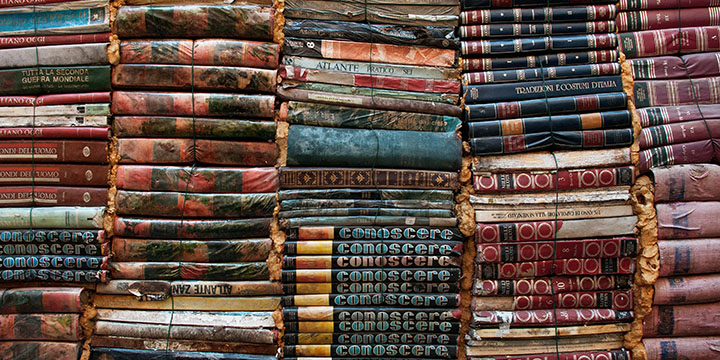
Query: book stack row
(372, 252)
(673, 51)
(54, 139)
(42, 323)
(683, 321)
(542, 78)
(555, 238)
(196, 183)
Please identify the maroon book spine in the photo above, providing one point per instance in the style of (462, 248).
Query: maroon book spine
(549, 317)
(692, 182)
(688, 220)
(547, 250)
(616, 300)
(29, 41)
(678, 133)
(695, 256)
(205, 180)
(580, 355)
(683, 320)
(673, 114)
(62, 174)
(54, 151)
(672, 67)
(11, 196)
(520, 270)
(68, 132)
(675, 154)
(683, 290)
(665, 42)
(548, 286)
(562, 180)
(56, 99)
(695, 348)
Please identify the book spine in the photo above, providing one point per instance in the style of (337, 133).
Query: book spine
(521, 30)
(538, 15)
(34, 349)
(681, 320)
(549, 60)
(181, 104)
(428, 36)
(649, 43)
(389, 300)
(196, 21)
(113, 353)
(671, 67)
(687, 220)
(221, 251)
(354, 326)
(339, 314)
(194, 346)
(685, 290)
(371, 287)
(487, 4)
(189, 271)
(43, 300)
(298, 178)
(550, 317)
(539, 107)
(369, 247)
(368, 221)
(675, 154)
(547, 181)
(666, 19)
(686, 92)
(443, 98)
(365, 68)
(70, 132)
(139, 126)
(11, 262)
(312, 203)
(205, 180)
(38, 111)
(200, 52)
(191, 229)
(304, 149)
(337, 276)
(52, 236)
(188, 303)
(46, 174)
(18, 3)
(672, 4)
(304, 213)
(152, 331)
(324, 115)
(47, 21)
(558, 123)
(428, 14)
(549, 230)
(610, 355)
(385, 350)
(53, 151)
(374, 233)
(549, 286)
(700, 348)
(59, 275)
(673, 114)
(369, 338)
(359, 261)
(202, 78)
(548, 73)
(678, 133)
(367, 194)
(546, 250)
(60, 217)
(9, 42)
(58, 327)
(67, 79)
(372, 52)
(680, 257)
(9, 124)
(191, 288)
(519, 270)
(447, 108)
(72, 54)
(188, 151)
(540, 44)
(56, 99)
(55, 249)
(679, 183)
(203, 205)
(374, 81)
(52, 196)
(589, 139)
(615, 300)
(478, 94)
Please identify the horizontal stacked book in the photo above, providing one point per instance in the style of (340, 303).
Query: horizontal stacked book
(54, 140)
(372, 252)
(193, 105)
(42, 323)
(673, 50)
(555, 239)
(683, 321)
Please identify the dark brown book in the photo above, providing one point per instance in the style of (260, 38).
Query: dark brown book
(54, 151)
